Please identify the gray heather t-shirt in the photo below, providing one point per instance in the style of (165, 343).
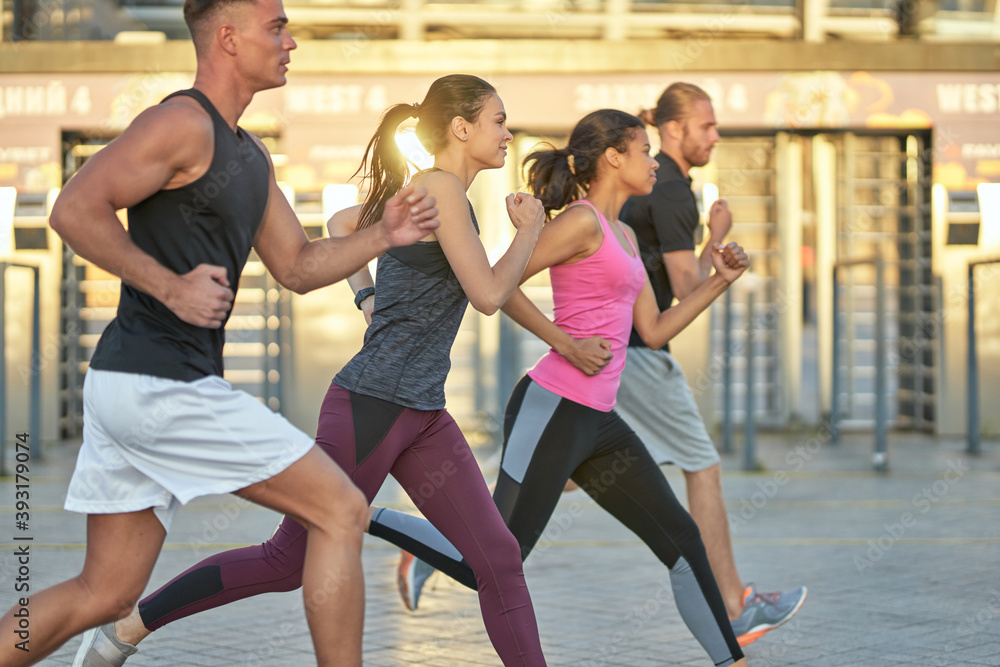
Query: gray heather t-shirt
(419, 305)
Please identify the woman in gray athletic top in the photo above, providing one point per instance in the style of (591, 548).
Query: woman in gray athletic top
(392, 391)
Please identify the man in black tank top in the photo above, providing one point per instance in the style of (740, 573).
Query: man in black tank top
(161, 426)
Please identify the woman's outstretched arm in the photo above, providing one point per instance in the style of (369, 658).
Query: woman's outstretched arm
(487, 287)
(657, 328)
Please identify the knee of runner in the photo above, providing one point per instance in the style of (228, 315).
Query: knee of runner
(292, 579)
(359, 509)
(111, 603)
(348, 511)
(503, 553)
(125, 606)
(712, 475)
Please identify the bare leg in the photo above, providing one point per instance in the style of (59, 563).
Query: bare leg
(704, 492)
(318, 494)
(121, 552)
(130, 629)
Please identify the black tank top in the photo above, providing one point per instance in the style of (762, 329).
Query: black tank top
(210, 221)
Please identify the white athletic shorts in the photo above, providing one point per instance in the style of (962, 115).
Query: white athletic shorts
(153, 442)
(655, 400)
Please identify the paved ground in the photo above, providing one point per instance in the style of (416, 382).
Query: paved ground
(901, 568)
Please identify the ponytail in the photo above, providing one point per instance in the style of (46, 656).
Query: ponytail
(551, 176)
(384, 166)
(676, 103)
(560, 176)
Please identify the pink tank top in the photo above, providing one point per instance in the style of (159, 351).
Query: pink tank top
(593, 297)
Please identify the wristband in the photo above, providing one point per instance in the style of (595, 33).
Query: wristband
(363, 294)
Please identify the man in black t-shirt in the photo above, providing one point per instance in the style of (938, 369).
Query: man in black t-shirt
(654, 398)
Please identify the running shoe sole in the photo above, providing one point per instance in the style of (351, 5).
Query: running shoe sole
(759, 631)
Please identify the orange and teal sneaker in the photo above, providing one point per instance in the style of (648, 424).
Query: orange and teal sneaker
(411, 575)
(763, 612)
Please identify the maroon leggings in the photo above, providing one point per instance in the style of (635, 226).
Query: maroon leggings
(428, 455)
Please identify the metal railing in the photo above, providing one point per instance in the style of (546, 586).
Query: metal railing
(727, 374)
(35, 387)
(880, 459)
(276, 305)
(972, 399)
(730, 353)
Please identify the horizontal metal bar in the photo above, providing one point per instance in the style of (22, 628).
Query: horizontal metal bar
(844, 263)
(250, 376)
(244, 350)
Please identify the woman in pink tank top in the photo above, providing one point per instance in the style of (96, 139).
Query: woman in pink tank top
(560, 423)
(599, 285)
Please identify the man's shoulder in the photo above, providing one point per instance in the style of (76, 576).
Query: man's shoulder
(177, 117)
(181, 109)
(667, 198)
(672, 188)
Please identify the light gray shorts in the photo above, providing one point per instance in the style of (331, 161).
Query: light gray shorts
(655, 400)
(153, 442)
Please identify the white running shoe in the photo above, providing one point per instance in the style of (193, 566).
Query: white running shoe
(102, 648)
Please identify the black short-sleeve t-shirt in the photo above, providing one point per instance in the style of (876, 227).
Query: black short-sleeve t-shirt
(665, 220)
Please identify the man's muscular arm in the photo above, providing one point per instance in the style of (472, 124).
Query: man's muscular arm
(146, 158)
(302, 265)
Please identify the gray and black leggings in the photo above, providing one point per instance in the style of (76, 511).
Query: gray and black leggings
(549, 439)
